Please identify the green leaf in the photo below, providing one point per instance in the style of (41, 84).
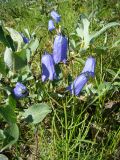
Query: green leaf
(2, 136)
(36, 113)
(2, 36)
(15, 36)
(31, 48)
(3, 157)
(12, 135)
(12, 102)
(2, 66)
(33, 45)
(111, 72)
(83, 30)
(8, 114)
(109, 25)
(20, 59)
(8, 58)
(79, 31)
(115, 44)
(10, 42)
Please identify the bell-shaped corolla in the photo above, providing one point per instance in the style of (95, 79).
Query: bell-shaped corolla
(20, 91)
(60, 48)
(48, 68)
(51, 26)
(76, 87)
(55, 16)
(89, 67)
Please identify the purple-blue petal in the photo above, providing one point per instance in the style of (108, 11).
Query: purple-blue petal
(48, 68)
(51, 25)
(55, 16)
(26, 40)
(89, 67)
(60, 49)
(20, 91)
(76, 87)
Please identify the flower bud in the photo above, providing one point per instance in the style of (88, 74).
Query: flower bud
(51, 25)
(55, 16)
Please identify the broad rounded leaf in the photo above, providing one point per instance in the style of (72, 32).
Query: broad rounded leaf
(3, 157)
(8, 57)
(2, 136)
(12, 135)
(8, 113)
(2, 66)
(20, 59)
(2, 35)
(16, 36)
(36, 113)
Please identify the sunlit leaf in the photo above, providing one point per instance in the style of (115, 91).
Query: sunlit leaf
(2, 35)
(36, 113)
(12, 135)
(3, 157)
(109, 25)
(2, 136)
(8, 58)
(16, 36)
(2, 66)
(20, 59)
(8, 114)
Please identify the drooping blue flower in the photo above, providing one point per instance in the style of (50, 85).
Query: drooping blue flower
(60, 49)
(25, 39)
(48, 68)
(51, 25)
(78, 84)
(55, 16)
(20, 91)
(89, 67)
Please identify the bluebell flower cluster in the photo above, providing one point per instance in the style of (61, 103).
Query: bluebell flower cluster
(56, 17)
(60, 47)
(48, 62)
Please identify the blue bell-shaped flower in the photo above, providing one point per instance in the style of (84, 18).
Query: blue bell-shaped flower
(20, 91)
(60, 49)
(51, 25)
(48, 68)
(78, 84)
(55, 16)
(89, 67)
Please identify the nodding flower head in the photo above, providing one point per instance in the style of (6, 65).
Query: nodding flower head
(25, 39)
(20, 91)
(55, 16)
(89, 67)
(51, 25)
(60, 49)
(48, 68)
(76, 87)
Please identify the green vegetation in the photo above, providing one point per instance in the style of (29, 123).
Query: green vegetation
(52, 124)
